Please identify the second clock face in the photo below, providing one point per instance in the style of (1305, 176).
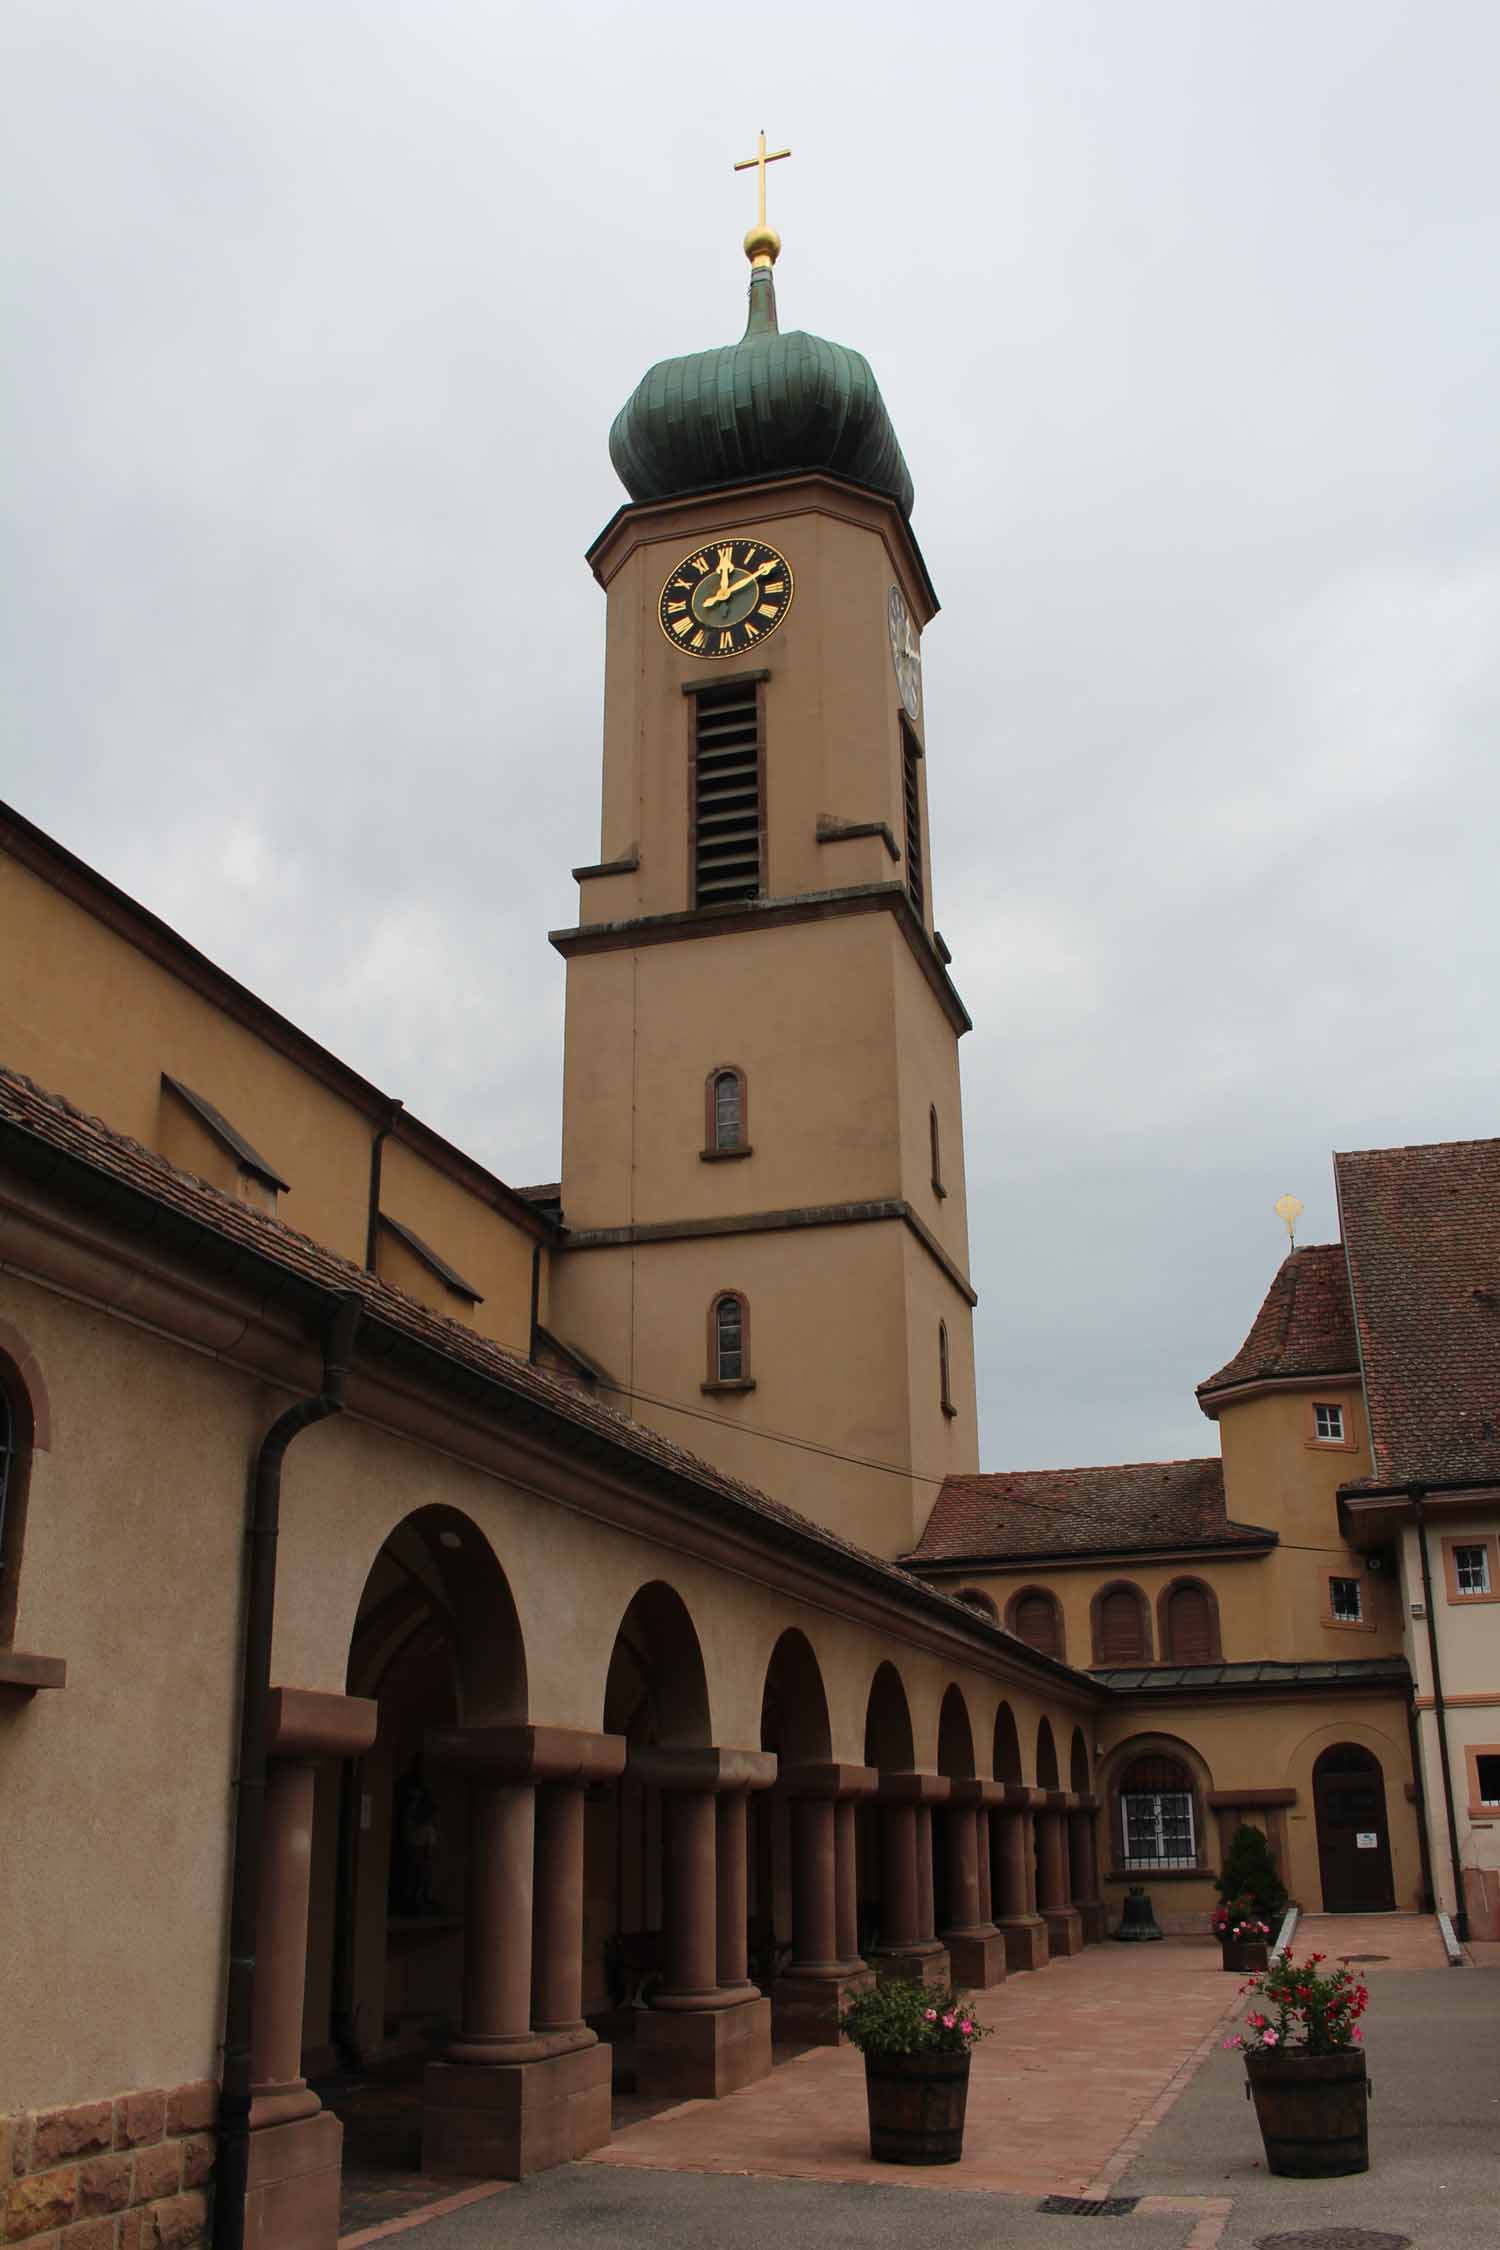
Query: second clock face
(725, 596)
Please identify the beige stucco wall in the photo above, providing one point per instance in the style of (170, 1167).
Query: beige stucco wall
(1469, 1654)
(115, 1790)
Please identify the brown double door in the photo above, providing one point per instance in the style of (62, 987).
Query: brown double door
(1354, 1845)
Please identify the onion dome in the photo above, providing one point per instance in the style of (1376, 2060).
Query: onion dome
(764, 407)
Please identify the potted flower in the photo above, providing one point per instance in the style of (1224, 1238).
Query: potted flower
(1250, 1889)
(1244, 1939)
(1305, 2061)
(916, 2042)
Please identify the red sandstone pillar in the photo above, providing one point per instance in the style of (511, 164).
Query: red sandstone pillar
(557, 1982)
(982, 1867)
(963, 1859)
(975, 1947)
(825, 1970)
(277, 2087)
(496, 2022)
(846, 1867)
(1018, 1921)
(1083, 1860)
(814, 1887)
(926, 1903)
(732, 1865)
(1063, 1920)
(689, 1901)
(899, 1895)
(908, 1944)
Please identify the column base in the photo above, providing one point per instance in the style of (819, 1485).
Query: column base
(805, 2011)
(503, 2121)
(978, 1962)
(704, 2053)
(292, 2189)
(927, 1964)
(1025, 1938)
(1095, 1920)
(1064, 1930)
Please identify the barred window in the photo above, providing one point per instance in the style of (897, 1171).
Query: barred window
(1344, 1600)
(1471, 1569)
(1156, 1814)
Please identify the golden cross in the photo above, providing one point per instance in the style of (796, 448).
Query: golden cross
(757, 164)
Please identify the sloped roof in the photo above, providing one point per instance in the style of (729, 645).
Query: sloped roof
(1423, 1229)
(1132, 1508)
(1304, 1327)
(43, 1135)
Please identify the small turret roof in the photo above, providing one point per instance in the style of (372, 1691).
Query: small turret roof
(1304, 1327)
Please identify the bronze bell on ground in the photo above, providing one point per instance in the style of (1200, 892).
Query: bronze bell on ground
(1137, 1921)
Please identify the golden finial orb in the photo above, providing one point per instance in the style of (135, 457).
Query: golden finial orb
(762, 243)
(763, 246)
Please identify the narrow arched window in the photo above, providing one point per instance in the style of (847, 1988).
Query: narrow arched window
(975, 1598)
(936, 1141)
(1122, 1634)
(729, 1340)
(1034, 1619)
(7, 1459)
(945, 1375)
(17, 1432)
(1190, 1624)
(726, 1122)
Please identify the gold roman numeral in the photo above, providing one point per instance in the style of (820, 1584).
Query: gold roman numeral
(775, 585)
(679, 581)
(726, 642)
(752, 630)
(675, 609)
(700, 563)
(767, 609)
(698, 638)
(682, 625)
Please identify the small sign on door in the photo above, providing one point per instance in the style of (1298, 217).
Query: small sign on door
(1366, 1839)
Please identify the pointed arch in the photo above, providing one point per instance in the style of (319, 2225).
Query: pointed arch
(1007, 1751)
(794, 1705)
(888, 1734)
(1047, 1775)
(955, 1736)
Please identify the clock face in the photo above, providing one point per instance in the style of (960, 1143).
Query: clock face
(905, 654)
(724, 597)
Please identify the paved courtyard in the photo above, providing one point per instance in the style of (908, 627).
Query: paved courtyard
(1105, 2077)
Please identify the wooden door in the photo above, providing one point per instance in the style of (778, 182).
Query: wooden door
(1354, 1844)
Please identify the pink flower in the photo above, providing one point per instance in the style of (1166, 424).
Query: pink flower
(1236, 2041)
(1270, 2037)
(966, 2028)
(1358, 2036)
(948, 2022)
(930, 2014)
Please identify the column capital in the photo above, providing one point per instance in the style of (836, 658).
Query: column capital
(985, 1794)
(704, 1770)
(823, 1778)
(310, 1723)
(1020, 1797)
(1056, 1800)
(914, 1788)
(519, 1754)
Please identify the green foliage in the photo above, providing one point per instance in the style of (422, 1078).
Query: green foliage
(902, 2017)
(1314, 2014)
(1250, 1875)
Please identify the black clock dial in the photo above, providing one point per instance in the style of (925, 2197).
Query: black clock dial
(725, 596)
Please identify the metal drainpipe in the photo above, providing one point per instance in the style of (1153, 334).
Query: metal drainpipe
(1417, 1493)
(250, 1793)
(1424, 1841)
(377, 1149)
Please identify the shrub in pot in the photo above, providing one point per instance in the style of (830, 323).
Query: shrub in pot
(1305, 2062)
(916, 2042)
(1249, 1879)
(1243, 1937)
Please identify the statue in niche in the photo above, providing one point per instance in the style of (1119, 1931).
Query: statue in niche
(416, 1846)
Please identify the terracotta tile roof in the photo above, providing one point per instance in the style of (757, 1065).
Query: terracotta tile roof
(1304, 1327)
(39, 1130)
(1423, 1229)
(1134, 1508)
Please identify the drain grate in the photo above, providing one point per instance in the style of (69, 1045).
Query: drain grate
(1333, 2238)
(1089, 2206)
(1364, 1957)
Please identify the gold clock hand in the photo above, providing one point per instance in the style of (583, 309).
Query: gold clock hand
(724, 594)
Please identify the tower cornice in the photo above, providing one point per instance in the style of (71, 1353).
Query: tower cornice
(764, 500)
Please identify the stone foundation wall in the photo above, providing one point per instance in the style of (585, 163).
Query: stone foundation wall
(129, 2173)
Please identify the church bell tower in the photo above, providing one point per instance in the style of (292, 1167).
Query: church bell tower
(763, 1174)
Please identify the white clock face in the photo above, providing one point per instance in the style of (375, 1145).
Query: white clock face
(905, 654)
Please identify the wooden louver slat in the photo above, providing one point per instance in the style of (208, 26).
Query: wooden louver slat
(1036, 1624)
(727, 811)
(1190, 1626)
(1121, 1639)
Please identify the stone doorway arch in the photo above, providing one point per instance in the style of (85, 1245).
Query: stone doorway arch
(1354, 1842)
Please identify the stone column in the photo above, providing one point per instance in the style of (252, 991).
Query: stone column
(296, 2145)
(825, 1969)
(732, 1867)
(696, 2038)
(907, 1945)
(526, 2083)
(1083, 1859)
(1063, 1920)
(975, 1947)
(1018, 1921)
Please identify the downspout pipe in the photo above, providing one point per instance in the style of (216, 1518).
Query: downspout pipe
(383, 1133)
(250, 1794)
(1417, 1493)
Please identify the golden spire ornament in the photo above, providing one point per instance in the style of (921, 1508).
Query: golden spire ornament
(762, 243)
(1289, 1211)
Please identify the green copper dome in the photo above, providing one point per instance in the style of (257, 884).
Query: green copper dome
(762, 407)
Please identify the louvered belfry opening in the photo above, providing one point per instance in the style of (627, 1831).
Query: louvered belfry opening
(911, 794)
(728, 807)
(1035, 1622)
(1190, 1626)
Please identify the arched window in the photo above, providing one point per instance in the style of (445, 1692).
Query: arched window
(729, 1342)
(1122, 1626)
(935, 1139)
(1157, 1826)
(726, 1125)
(1034, 1618)
(945, 1375)
(1190, 1624)
(15, 1462)
(979, 1601)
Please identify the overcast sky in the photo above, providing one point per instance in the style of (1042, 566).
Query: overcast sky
(1186, 315)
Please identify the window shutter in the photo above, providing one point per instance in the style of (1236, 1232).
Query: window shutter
(1036, 1624)
(727, 811)
(1190, 1626)
(911, 800)
(1121, 1640)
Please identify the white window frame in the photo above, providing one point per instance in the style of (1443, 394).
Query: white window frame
(1334, 1417)
(1158, 1799)
(1481, 1549)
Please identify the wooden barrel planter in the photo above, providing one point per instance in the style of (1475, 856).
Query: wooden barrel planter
(1313, 2112)
(1242, 1955)
(917, 2105)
